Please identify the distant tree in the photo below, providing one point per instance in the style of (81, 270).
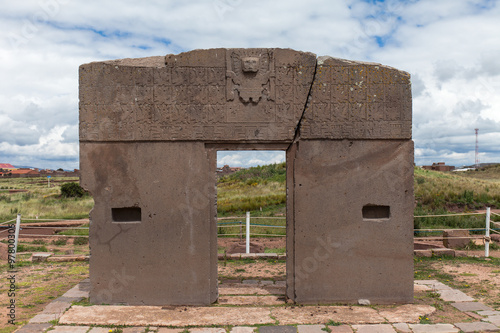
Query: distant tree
(60, 169)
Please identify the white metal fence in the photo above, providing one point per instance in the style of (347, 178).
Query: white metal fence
(235, 221)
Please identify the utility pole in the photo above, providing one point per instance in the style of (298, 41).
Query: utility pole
(477, 149)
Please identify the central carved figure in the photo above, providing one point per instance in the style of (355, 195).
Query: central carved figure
(251, 76)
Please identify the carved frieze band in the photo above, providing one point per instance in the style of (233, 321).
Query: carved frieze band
(255, 95)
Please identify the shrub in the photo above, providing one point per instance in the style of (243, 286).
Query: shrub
(59, 241)
(81, 241)
(72, 190)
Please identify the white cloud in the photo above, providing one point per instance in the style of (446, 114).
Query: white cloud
(449, 46)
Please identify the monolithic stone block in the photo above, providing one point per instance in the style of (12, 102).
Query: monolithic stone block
(150, 130)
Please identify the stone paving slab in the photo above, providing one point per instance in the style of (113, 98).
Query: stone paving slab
(477, 327)
(433, 284)
(70, 329)
(379, 328)
(494, 320)
(402, 327)
(474, 315)
(57, 307)
(311, 328)
(99, 330)
(433, 328)
(341, 329)
(172, 316)
(138, 330)
(489, 313)
(322, 314)
(426, 282)
(169, 330)
(243, 329)
(421, 287)
(277, 329)
(252, 300)
(44, 318)
(471, 306)
(454, 296)
(34, 328)
(408, 313)
(207, 330)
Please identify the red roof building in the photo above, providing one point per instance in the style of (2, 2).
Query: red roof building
(7, 166)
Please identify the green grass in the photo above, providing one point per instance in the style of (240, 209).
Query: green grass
(259, 189)
(41, 200)
(452, 191)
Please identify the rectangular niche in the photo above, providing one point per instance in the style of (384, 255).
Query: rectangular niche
(126, 215)
(376, 212)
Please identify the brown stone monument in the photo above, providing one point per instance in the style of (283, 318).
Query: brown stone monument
(150, 129)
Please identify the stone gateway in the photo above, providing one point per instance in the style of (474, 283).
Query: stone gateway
(150, 130)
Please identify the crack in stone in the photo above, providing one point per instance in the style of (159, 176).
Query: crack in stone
(297, 128)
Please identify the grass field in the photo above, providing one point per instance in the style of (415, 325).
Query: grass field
(40, 200)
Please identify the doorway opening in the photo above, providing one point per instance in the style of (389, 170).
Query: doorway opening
(251, 226)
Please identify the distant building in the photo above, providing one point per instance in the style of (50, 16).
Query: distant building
(227, 170)
(7, 167)
(440, 166)
(25, 173)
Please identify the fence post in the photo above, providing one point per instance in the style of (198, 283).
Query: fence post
(248, 233)
(487, 234)
(16, 235)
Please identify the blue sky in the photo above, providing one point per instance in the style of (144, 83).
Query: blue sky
(450, 47)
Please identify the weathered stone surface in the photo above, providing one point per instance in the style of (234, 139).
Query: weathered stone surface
(489, 313)
(433, 284)
(40, 256)
(477, 327)
(471, 306)
(341, 329)
(423, 253)
(70, 329)
(311, 328)
(34, 328)
(44, 318)
(407, 313)
(57, 307)
(357, 100)
(443, 252)
(494, 320)
(277, 329)
(243, 329)
(141, 330)
(434, 328)
(150, 130)
(379, 328)
(454, 296)
(207, 330)
(166, 316)
(456, 238)
(340, 255)
(323, 314)
(100, 330)
(402, 327)
(203, 94)
(421, 287)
